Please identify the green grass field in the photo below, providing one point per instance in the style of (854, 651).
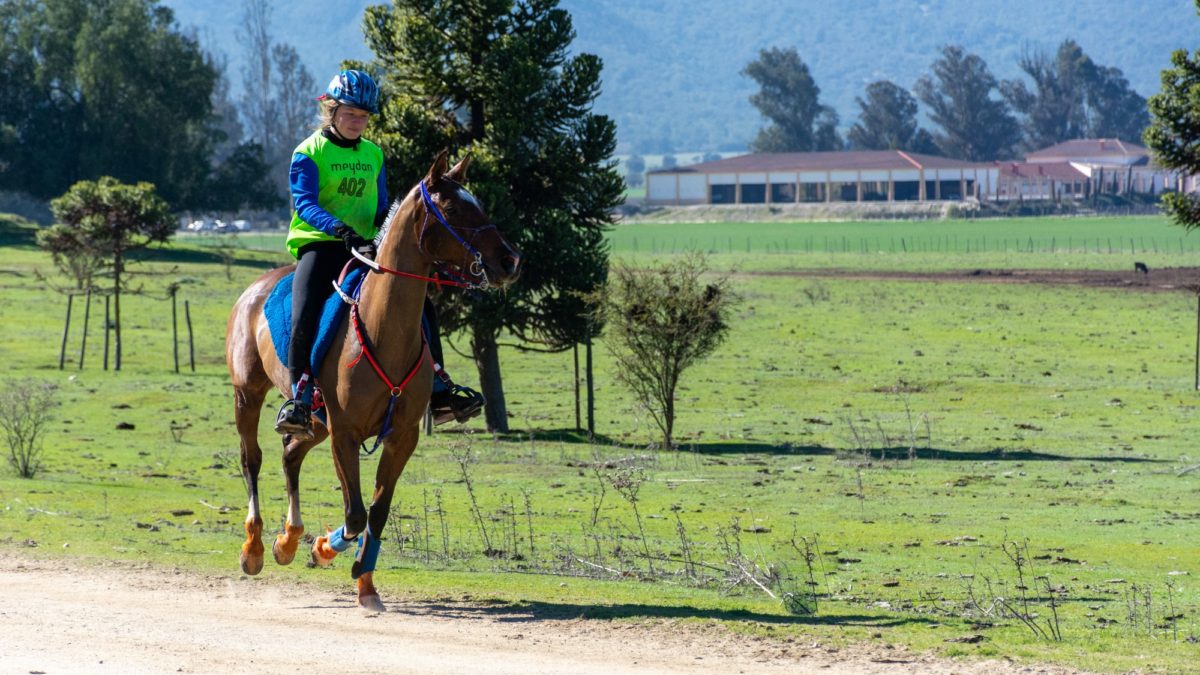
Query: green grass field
(1021, 243)
(906, 429)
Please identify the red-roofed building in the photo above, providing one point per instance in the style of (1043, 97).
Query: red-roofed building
(1107, 166)
(1099, 151)
(1070, 170)
(799, 177)
(1046, 180)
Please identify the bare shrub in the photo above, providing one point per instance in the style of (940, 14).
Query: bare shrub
(661, 322)
(1023, 597)
(25, 407)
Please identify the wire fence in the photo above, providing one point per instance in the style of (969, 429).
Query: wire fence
(915, 244)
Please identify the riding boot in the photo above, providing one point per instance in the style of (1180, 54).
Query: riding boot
(295, 419)
(456, 402)
(295, 416)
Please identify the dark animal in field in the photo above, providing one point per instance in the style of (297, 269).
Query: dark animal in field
(1141, 267)
(437, 222)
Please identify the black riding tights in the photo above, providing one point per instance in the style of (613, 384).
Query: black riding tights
(319, 265)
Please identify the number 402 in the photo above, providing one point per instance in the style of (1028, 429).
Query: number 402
(352, 187)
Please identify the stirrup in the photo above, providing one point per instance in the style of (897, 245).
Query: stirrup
(457, 403)
(294, 419)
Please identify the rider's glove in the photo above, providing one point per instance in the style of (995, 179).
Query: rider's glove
(354, 241)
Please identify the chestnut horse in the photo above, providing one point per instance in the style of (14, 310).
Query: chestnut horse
(437, 222)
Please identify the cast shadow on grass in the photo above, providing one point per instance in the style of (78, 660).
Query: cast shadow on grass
(530, 612)
(17, 235)
(547, 436)
(751, 447)
(903, 453)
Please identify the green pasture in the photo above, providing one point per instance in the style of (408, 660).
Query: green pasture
(929, 245)
(1110, 243)
(907, 430)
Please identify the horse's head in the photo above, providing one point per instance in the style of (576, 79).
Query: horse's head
(457, 231)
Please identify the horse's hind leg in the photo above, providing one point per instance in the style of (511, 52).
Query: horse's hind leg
(247, 407)
(294, 452)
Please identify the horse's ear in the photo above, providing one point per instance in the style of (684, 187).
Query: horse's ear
(439, 167)
(458, 173)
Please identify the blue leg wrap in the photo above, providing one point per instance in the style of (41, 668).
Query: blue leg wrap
(338, 540)
(368, 553)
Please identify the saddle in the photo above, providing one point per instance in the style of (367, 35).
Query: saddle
(278, 312)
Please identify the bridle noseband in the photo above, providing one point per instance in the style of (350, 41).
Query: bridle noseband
(476, 268)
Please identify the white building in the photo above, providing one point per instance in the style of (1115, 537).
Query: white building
(799, 177)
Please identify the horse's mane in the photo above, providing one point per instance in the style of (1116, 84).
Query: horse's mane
(387, 221)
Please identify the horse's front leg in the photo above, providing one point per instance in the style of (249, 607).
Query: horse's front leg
(294, 452)
(391, 464)
(345, 461)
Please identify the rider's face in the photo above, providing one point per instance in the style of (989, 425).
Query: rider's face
(350, 122)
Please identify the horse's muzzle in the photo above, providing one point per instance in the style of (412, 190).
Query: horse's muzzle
(511, 266)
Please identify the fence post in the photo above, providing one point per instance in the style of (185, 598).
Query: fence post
(87, 313)
(591, 387)
(62, 351)
(578, 420)
(175, 328)
(187, 313)
(107, 323)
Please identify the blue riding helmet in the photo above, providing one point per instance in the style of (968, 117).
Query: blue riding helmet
(355, 89)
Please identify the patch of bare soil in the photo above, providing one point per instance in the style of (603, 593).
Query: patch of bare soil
(1166, 279)
(67, 616)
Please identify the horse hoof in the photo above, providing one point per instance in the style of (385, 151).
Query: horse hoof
(251, 564)
(371, 603)
(280, 550)
(284, 548)
(322, 554)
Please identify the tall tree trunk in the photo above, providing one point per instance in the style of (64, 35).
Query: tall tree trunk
(669, 424)
(487, 361)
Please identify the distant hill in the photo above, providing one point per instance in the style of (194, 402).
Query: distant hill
(672, 67)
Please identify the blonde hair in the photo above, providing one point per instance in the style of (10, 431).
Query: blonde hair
(326, 108)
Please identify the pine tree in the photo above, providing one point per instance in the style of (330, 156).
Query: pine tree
(973, 126)
(495, 78)
(104, 220)
(790, 99)
(1174, 132)
(888, 121)
(1073, 97)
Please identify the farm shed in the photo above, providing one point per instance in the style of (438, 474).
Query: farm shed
(1105, 165)
(799, 177)
(1047, 180)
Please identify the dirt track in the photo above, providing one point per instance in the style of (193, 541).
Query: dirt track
(1177, 279)
(118, 618)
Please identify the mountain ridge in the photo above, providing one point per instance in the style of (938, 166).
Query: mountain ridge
(672, 77)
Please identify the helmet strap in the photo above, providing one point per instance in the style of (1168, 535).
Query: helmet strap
(333, 120)
(338, 132)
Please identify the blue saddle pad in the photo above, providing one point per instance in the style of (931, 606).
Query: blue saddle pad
(278, 310)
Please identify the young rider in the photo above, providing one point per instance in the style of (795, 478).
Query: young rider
(340, 198)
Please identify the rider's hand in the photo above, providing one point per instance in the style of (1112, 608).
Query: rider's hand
(354, 241)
